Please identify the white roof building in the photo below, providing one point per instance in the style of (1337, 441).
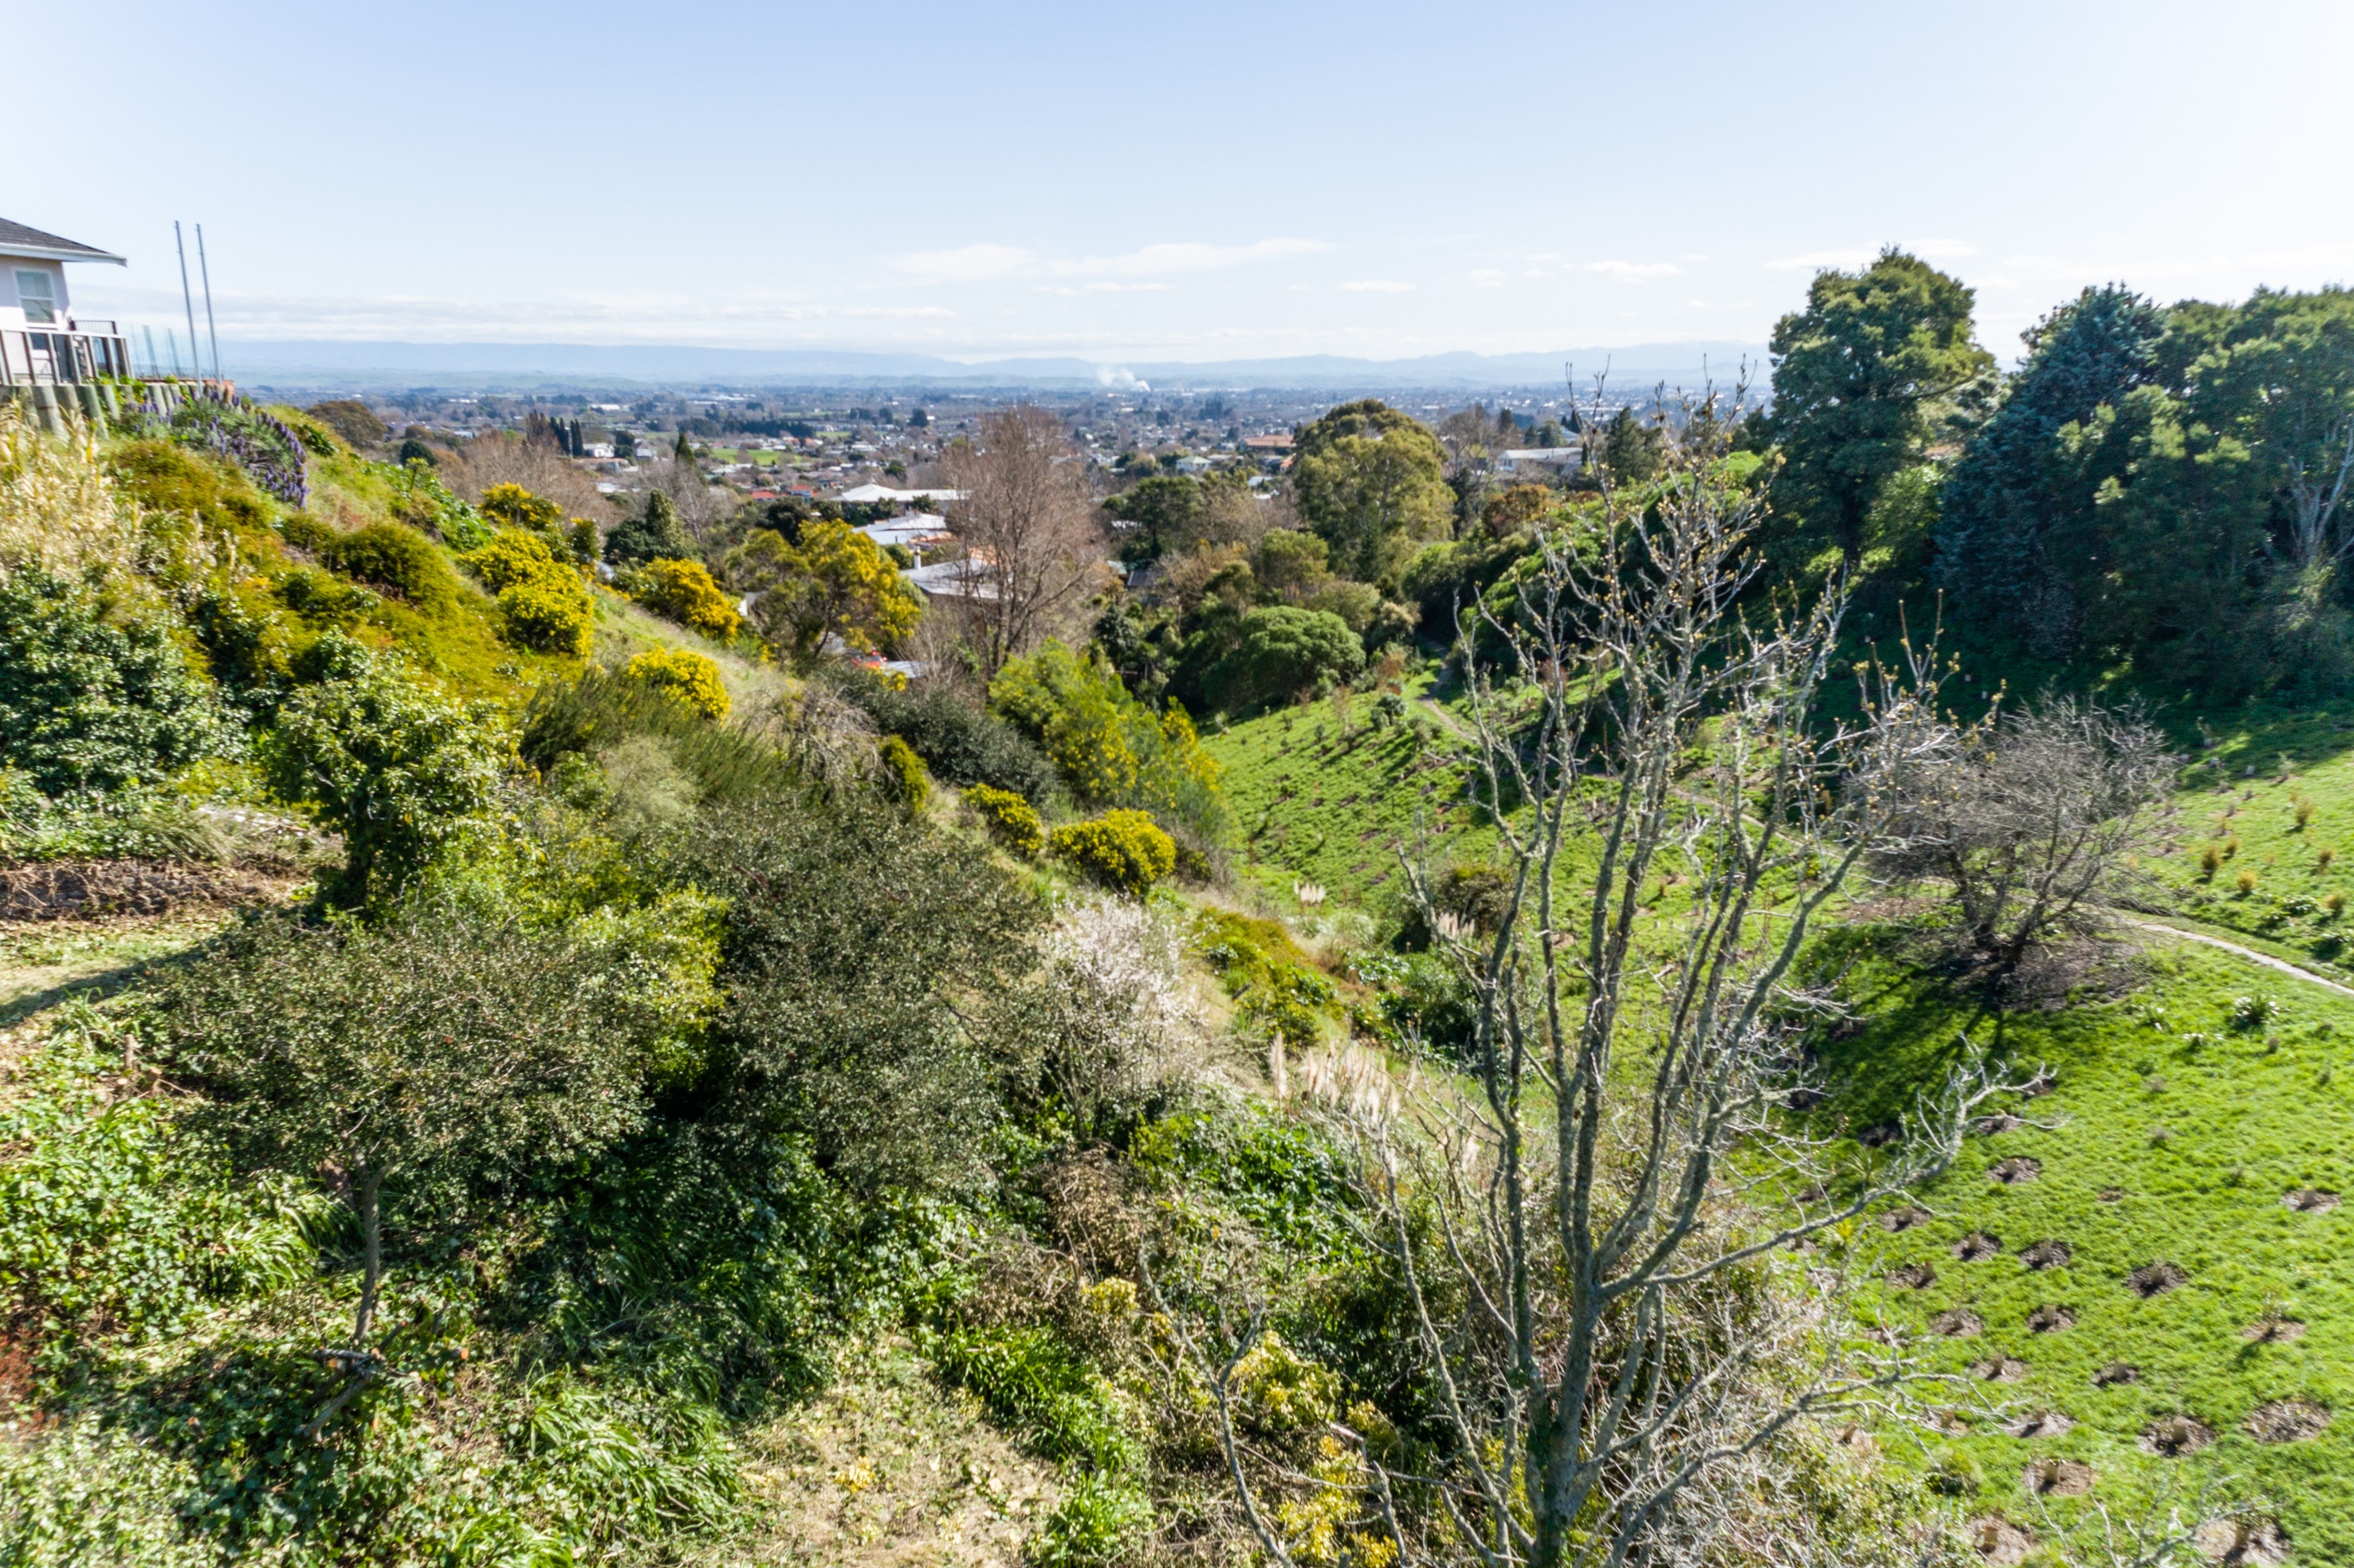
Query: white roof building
(865, 495)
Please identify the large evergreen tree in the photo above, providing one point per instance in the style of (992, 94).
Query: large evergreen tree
(1857, 376)
(2007, 502)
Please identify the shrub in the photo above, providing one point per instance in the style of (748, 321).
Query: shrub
(351, 420)
(549, 616)
(685, 675)
(393, 765)
(2211, 860)
(903, 774)
(684, 592)
(2335, 904)
(957, 742)
(94, 696)
(513, 506)
(604, 710)
(2246, 882)
(1011, 820)
(1111, 748)
(396, 559)
(171, 479)
(512, 558)
(1126, 851)
(546, 604)
(1285, 651)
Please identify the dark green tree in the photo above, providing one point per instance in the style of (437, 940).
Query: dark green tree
(1857, 376)
(1169, 511)
(1371, 482)
(416, 1062)
(1633, 448)
(2008, 503)
(654, 535)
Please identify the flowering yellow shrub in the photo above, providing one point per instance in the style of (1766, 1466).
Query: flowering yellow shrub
(1122, 850)
(685, 591)
(1010, 819)
(548, 615)
(904, 775)
(513, 506)
(546, 604)
(684, 674)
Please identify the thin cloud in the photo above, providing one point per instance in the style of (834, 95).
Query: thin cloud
(1487, 277)
(1069, 293)
(1377, 286)
(1635, 268)
(1155, 260)
(967, 263)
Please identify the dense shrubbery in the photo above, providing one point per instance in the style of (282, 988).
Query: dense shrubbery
(95, 694)
(958, 742)
(903, 779)
(391, 558)
(1111, 750)
(1126, 851)
(546, 604)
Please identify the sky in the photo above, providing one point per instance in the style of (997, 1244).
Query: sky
(1206, 181)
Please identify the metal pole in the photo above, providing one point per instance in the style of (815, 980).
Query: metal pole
(186, 299)
(173, 339)
(155, 365)
(206, 271)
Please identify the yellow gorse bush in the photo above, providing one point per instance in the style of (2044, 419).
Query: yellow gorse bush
(546, 604)
(685, 676)
(684, 591)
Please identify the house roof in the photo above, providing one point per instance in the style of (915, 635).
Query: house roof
(22, 239)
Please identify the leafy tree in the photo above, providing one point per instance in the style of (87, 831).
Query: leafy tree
(445, 1049)
(2007, 513)
(1369, 479)
(415, 450)
(2287, 373)
(653, 535)
(386, 761)
(1857, 376)
(94, 696)
(835, 580)
(1285, 651)
(1169, 511)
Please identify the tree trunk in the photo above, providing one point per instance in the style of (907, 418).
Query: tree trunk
(365, 1192)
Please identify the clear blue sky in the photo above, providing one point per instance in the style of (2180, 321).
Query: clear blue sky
(1207, 181)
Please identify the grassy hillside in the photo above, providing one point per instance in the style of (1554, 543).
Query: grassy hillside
(2195, 1099)
(2197, 1105)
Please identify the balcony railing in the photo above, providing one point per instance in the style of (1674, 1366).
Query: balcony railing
(62, 356)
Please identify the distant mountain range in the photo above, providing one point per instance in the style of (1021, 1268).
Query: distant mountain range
(325, 363)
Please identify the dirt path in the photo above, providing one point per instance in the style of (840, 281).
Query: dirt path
(2264, 959)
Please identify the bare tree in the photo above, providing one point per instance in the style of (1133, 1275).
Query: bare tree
(1028, 524)
(1601, 1321)
(503, 458)
(2033, 819)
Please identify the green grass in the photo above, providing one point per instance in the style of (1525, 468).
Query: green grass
(2247, 1115)
(1313, 800)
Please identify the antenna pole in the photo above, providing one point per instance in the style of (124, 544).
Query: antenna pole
(206, 272)
(187, 301)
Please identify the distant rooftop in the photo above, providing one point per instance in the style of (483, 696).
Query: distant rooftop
(23, 239)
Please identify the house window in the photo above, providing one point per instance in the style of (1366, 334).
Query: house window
(34, 293)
